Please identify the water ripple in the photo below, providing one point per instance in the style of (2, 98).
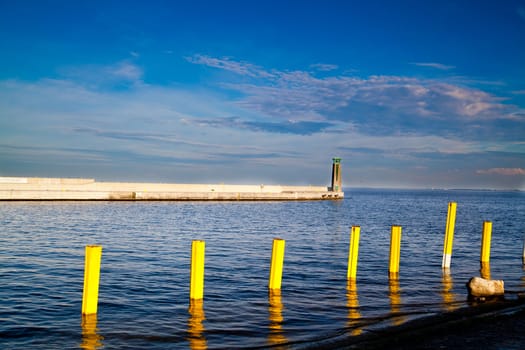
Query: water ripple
(144, 287)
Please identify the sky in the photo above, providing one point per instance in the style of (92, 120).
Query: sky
(410, 94)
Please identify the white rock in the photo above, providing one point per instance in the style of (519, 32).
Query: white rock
(480, 287)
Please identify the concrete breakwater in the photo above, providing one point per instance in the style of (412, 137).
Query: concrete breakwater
(20, 188)
(38, 189)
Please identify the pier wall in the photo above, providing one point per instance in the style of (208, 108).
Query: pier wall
(20, 188)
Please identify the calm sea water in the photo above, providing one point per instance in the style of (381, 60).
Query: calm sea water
(144, 285)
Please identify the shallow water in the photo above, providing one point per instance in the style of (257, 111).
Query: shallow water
(144, 286)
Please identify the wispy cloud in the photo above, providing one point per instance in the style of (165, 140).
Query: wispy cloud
(145, 121)
(281, 127)
(120, 74)
(80, 154)
(502, 171)
(155, 137)
(435, 65)
(241, 68)
(126, 70)
(377, 105)
(169, 139)
(323, 67)
(276, 117)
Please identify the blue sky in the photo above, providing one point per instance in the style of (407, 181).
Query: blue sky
(412, 94)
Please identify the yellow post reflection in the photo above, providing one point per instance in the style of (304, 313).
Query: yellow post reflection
(523, 277)
(395, 301)
(195, 326)
(91, 340)
(275, 315)
(449, 298)
(523, 255)
(485, 270)
(352, 303)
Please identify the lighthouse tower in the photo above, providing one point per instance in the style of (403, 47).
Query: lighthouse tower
(336, 175)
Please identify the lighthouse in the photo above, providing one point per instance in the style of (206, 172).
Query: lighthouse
(336, 175)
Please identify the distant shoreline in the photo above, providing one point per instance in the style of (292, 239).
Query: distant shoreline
(431, 189)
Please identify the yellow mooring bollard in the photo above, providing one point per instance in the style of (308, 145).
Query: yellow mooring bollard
(353, 253)
(91, 279)
(395, 250)
(485, 242)
(449, 235)
(276, 267)
(197, 270)
(485, 270)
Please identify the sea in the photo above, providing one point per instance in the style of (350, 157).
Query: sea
(144, 302)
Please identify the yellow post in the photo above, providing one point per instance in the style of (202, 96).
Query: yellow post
(485, 241)
(449, 235)
(91, 279)
(485, 270)
(276, 267)
(197, 270)
(395, 250)
(353, 253)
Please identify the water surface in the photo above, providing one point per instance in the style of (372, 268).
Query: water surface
(144, 286)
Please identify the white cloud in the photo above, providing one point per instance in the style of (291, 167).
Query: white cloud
(435, 65)
(282, 118)
(241, 68)
(144, 120)
(96, 76)
(126, 70)
(386, 104)
(323, 67)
